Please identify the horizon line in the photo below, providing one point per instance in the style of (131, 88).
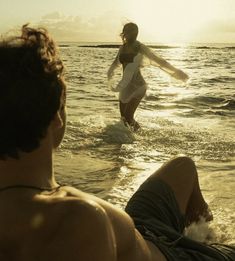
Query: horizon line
(158, 43)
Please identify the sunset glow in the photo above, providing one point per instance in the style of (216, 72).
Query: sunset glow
(101, 21)
(174, 20)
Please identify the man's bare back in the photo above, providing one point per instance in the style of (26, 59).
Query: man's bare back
(69, 225)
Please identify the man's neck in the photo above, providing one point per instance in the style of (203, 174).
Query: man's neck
(33, 169)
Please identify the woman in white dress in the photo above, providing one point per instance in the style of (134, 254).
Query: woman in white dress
(132, 86)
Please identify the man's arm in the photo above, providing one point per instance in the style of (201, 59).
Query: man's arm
(127, 243)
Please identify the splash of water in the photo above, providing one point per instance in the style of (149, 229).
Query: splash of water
(118, 133)
(200, 231)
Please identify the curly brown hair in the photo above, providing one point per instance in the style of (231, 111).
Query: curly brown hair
(31, 87)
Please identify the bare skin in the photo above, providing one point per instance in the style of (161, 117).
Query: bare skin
(127, 111)
(68, 224)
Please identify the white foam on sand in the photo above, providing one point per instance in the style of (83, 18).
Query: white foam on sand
(118, 133)
(200, 231)
(216, 231)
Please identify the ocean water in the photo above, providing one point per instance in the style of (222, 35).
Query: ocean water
(101, 156)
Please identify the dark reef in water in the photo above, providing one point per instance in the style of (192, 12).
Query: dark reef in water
(118, 45)
(102, 46)
(154, 46)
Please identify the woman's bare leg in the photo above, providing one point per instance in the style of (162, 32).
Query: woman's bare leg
(181, 175)
(127, 111)
(122, 108)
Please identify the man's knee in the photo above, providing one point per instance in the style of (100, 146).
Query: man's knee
(185, 167)
(180, 166)
(185, 161)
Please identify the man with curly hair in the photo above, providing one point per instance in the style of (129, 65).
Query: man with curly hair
(42, 220)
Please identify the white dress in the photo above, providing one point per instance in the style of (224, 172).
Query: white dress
(132, 85)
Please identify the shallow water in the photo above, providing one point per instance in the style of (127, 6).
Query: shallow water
(101, 156)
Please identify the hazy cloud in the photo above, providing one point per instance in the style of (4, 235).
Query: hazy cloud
(106, 27)
(75, 28)
(52, 16)
(227, 26)
(218, 31)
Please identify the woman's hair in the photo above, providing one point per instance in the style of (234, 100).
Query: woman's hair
(31, 87)
(129, 32)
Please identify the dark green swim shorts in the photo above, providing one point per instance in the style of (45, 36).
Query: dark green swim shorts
(157, 216)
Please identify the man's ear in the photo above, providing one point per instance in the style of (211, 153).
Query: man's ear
(58, 121)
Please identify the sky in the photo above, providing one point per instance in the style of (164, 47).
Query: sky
(160, 21)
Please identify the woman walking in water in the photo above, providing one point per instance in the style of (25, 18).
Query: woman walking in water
(132, 86)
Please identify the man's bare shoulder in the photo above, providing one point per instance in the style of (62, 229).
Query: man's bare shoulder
(84, 231)
(65, 227)
(129, 243)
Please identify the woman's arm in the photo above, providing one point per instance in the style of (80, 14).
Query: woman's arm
(163, 64)
(113, 66)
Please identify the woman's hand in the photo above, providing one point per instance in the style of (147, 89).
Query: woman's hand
(110, 74)
(180, 75)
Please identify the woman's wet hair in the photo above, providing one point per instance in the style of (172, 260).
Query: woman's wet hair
(129, 32)
(31, 87)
